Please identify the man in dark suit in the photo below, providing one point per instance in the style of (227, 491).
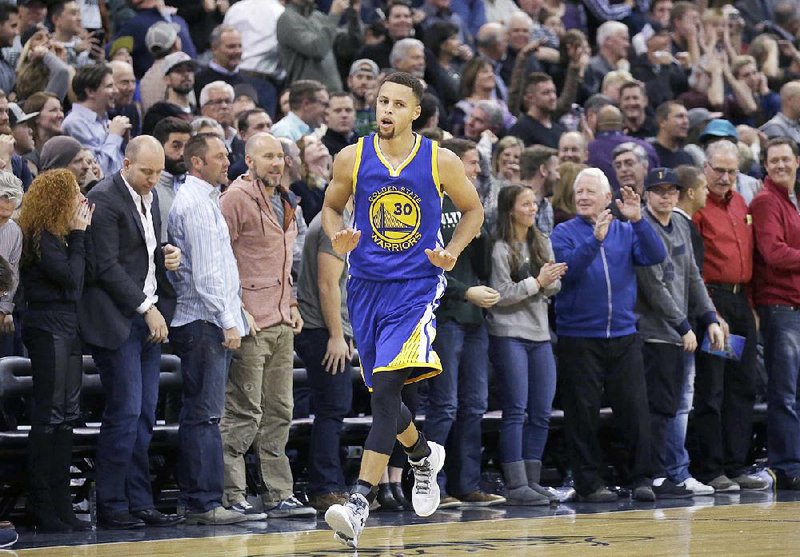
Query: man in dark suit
(123, 319)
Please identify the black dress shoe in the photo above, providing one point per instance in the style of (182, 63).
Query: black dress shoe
(152, 517)
(784, 481)
(121, 520)
(386, 499)
(399, 496)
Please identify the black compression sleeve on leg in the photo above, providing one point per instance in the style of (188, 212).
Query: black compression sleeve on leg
(386, 410)
(420, 448)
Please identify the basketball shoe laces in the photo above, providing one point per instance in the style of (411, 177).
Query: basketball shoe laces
(422, 477)
(360, 507)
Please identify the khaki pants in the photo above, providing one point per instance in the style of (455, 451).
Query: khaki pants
(258, 410)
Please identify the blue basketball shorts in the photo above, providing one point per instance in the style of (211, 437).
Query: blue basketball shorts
(394, 325)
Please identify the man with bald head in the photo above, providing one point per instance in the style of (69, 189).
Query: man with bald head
(786, 123)
(260, 215)
(572, 148)
(608, 136)
(124, 105)
(123, 319)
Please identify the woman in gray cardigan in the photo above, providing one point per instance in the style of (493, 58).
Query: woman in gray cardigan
(524, 274)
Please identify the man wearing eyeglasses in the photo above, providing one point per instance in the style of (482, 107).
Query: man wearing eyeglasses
(216, 102)
(666, 291)
(725, 389)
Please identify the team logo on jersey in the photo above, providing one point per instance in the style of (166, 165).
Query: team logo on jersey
(394, 212)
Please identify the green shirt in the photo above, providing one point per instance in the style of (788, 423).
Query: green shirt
(472, 269)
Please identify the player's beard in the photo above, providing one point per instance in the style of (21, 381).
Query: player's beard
(389, 135)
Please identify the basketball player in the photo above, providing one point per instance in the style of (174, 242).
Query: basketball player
(396, 278)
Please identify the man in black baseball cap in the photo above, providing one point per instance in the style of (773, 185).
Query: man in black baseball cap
(20, 124)
(665, 293)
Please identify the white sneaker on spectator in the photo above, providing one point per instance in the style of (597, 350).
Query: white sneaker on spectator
(696, 487)
(425, 495)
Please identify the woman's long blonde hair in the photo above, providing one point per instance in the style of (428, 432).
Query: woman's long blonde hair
(564, 193)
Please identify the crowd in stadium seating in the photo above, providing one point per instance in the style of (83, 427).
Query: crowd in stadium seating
(636, 161)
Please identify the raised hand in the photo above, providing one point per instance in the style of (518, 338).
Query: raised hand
(551, 272)
(345, 240)
(631, 204)
(82, 217)
(602, 224)
(6, 151)
(441, 258)
(119, 125)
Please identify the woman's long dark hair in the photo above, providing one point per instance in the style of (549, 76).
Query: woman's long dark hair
(537, 246)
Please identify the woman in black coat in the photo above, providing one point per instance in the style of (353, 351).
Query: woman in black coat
(54, 218)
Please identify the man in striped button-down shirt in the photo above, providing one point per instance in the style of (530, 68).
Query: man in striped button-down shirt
(209, 322)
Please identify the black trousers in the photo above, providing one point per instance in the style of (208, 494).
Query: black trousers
(724, 393)
(589, 367)
(57, 370)
(663, 370)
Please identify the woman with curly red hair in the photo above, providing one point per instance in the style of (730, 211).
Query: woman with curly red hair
(55, 258)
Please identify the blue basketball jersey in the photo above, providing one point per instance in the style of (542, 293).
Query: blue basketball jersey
(398, 212)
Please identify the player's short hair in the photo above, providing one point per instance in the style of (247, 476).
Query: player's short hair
(404, 78)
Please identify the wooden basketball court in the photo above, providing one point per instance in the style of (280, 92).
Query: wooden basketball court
(705, 528)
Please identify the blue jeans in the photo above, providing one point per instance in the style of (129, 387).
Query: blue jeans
(527, 374)
(781, 326)
(331, 398)
(204, 367)
(457, 401)
(676, 457)
(129, 376)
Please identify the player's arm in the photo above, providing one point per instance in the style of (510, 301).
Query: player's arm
(337, 193)
(456, 184)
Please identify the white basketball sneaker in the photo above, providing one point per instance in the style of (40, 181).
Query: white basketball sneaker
(347, 521)
(425, 495)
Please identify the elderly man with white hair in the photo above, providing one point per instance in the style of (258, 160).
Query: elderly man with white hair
(599, 349)
(408, 55)
(613, 41)
(216, 102)
(10, 250)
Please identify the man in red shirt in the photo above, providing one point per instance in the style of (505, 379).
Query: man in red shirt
(776, 285)
(725, 389)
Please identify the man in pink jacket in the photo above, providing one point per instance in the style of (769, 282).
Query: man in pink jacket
(258, 401)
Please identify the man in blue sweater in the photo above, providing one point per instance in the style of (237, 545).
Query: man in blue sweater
(599, 350)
